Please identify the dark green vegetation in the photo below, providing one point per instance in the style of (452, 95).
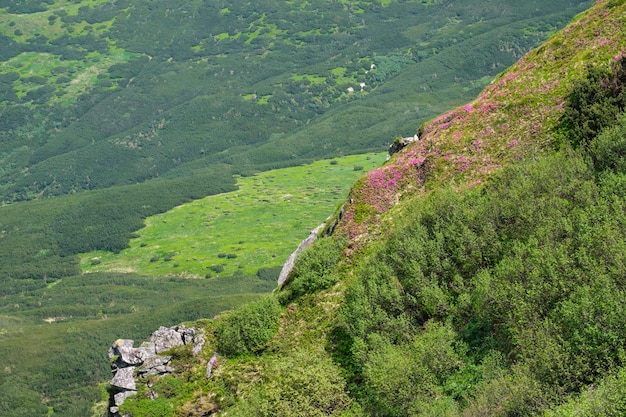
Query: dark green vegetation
(474, 291)
(314, 270)
(595, 103)
(98, 94)
(112, 111)
(249, 328)
(506, 298)
(41, 238)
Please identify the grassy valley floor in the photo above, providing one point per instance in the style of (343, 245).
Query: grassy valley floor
(257, 226)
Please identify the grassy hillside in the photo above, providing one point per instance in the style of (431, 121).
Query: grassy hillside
(480, 272)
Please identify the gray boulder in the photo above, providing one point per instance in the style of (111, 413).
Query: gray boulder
(401, 143)
(155, 365)
(165, 339)
(124, 379)
(124, 350)
(146, 359)
(291, 261)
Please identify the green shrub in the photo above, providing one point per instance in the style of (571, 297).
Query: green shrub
(511, 392)
(608, 399)
(595, 102)
(269, 274)
(314, 269)
(406, 379)
(301, 384)
(249, 328)
(608, 149)
(529, 266)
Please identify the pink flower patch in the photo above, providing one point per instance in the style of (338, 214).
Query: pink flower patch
(463, 164)
(416, 161)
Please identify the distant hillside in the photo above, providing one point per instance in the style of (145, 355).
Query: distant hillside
(151, 104)
(479, 272)
(104, 93)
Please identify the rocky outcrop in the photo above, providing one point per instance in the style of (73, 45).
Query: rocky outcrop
(401, 143)
(211, 364)
(129, 364)
(291, 261)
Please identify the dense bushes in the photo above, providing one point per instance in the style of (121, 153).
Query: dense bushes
(595, 102)
(303, 383)
(407, 378)
(249, 328)
(528, 269)
(608, 399)
(608, 149)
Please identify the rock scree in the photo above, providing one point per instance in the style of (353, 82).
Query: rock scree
(129, 364)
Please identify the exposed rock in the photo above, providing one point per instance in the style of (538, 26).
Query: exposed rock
(123, 348)
(124, 379)
(166, 339)
(155, 365)
(209, 366)
(146, 360)
(288, 266)
(118, 399)
(399, 144)
(198, 344)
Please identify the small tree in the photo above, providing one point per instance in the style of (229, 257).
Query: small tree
(249, 328)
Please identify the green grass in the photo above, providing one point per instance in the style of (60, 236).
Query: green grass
(83, 74)
(257, 226)
(78, 75)
(39, 24)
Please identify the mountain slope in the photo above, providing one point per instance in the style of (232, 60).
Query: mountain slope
(482, 272)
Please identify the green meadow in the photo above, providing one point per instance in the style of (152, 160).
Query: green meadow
(257, 226)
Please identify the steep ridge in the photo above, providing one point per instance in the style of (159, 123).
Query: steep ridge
(512, 118)
(478, 272)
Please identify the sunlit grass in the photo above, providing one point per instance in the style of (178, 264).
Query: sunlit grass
(83, 74)
(257, 226)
